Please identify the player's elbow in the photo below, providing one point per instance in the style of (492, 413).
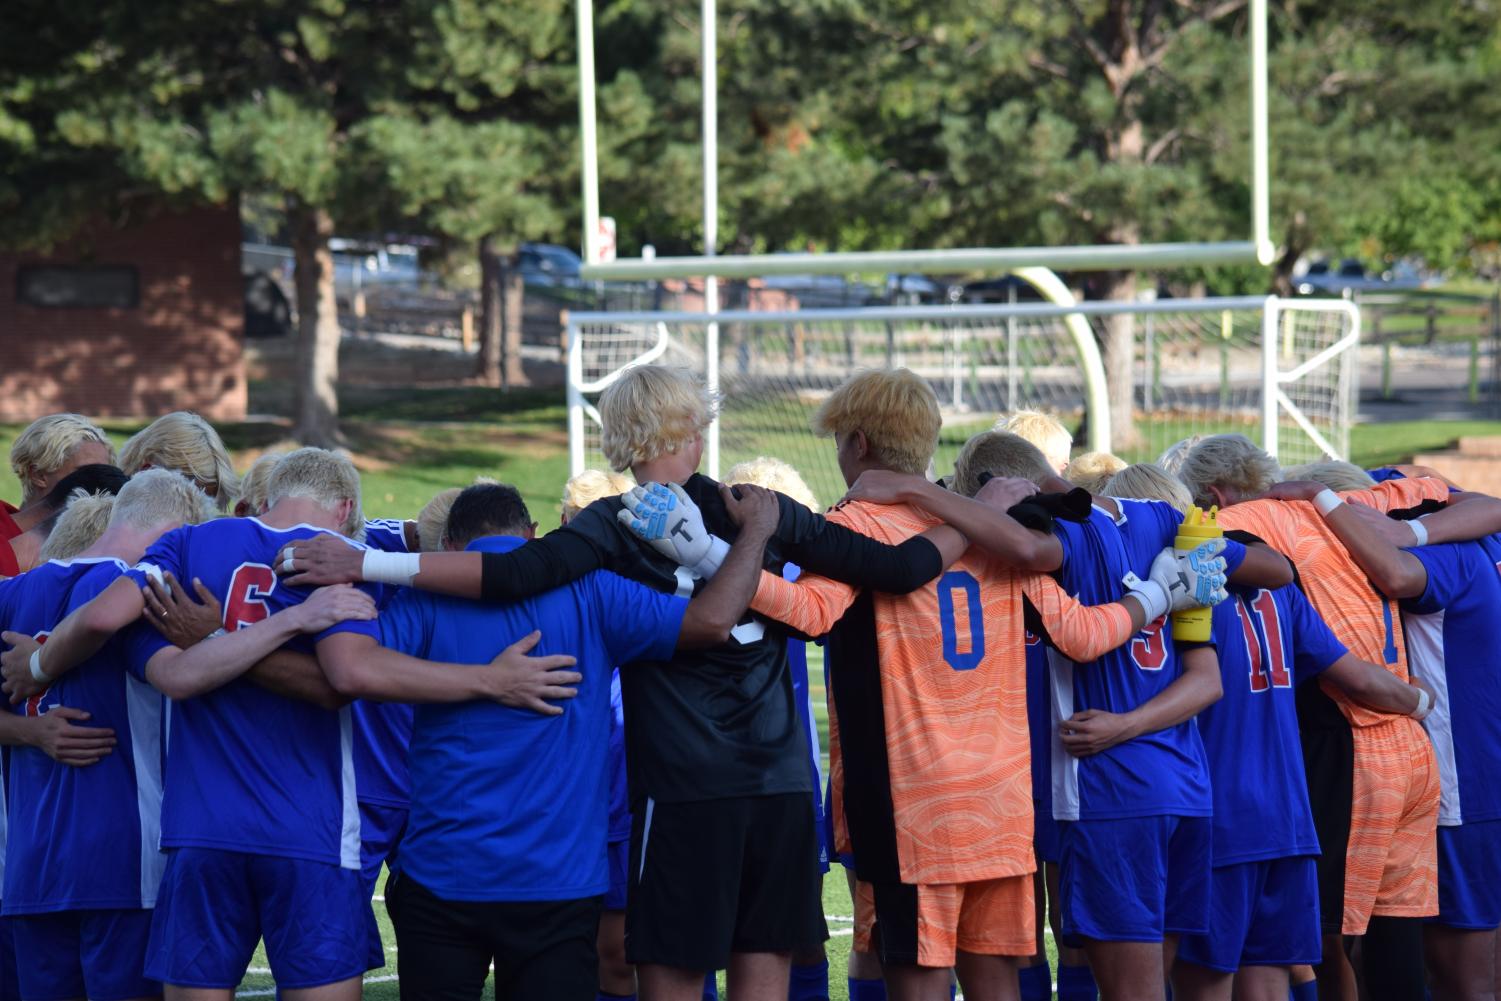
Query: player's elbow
(1397, 579)
(349, 677)
(703, 630)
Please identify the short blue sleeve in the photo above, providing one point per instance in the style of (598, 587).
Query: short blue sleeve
(1315, 647)
(406, 623)
(168, 554)
(140, 642)
(1449, 572)
(389, 535)
(636, 622)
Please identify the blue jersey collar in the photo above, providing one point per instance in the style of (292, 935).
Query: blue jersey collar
(495, 544)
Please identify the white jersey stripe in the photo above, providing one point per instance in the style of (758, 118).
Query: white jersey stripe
(1064, 765)
(349, 838)
(146, 712)
(1425, 656)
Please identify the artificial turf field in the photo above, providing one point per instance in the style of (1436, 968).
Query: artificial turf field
(410, 444)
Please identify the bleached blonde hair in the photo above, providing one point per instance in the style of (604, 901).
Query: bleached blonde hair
(1332, 473)
(321, 476)
(79, 525)
(1043, 430)
(1093, 470)
(1231, 462)
(157, 497)
(46, 445)
(583, 489)
(255, 481)
(189, 444)
(1171, 459)
(774, 474)
(432, 520)
(895, 409)
(1149, 481)
(999, 453)
(651, 411)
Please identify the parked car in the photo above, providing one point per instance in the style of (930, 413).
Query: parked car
(358, 264)
(1351, 275)
(549, 265)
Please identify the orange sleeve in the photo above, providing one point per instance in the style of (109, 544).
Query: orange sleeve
(1080, 632)
(1394, 495)
(810, 604)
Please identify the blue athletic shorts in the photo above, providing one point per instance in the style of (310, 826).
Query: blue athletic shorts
(1134, 880)
(1046, 834)
(99, 955)
(214, 905)
(1262, 913)
(1469, 876)
(381, 828)
(619, 853)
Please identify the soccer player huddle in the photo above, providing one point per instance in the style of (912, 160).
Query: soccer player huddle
(588, 757)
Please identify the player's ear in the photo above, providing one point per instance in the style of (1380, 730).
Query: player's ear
(1221, 496)
(862, 444)
(531, 531)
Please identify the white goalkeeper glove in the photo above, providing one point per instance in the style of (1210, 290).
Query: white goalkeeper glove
(665, 518)
(1194, 580)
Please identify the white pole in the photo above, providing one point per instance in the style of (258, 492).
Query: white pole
(1270, 384)
(1261, 199)
(589, 151)
(710, 61)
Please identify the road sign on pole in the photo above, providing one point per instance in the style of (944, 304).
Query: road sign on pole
(606, 245)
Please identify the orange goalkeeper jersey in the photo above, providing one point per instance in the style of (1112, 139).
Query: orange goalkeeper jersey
(1363, 620)
(929, 691)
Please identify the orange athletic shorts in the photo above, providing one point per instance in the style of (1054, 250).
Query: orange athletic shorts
(1391, 865)
(924, 925)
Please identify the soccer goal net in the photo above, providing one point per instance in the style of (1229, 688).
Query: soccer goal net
(1280, 371)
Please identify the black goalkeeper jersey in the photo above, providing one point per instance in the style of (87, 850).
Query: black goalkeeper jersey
(721, 722)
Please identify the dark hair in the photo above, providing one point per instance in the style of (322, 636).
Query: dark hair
(96, 478)
(486, 509)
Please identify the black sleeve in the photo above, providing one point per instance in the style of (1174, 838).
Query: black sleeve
(556, 559)
(820, 546)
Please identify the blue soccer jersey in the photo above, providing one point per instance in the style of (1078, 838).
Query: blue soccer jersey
(249, 770)
(1155, 774)
(389, 535)
(509, 805)
(83, 838)
(620, 793)
(1452, 646)
(1269, 643)
(382, 735)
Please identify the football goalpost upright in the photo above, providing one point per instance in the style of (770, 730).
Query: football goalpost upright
(1204, 365)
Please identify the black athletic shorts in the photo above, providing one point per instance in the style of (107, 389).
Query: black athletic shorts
(720, 876)
(1329, 763)
(542, 950)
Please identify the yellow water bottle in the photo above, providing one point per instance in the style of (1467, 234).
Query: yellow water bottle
(1195, 625)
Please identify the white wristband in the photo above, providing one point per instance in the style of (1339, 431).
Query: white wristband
(1326, 500)
(390, 568)
(37, 674)
(707, 567)
(1155, 601)
(1419, 531)
(1424, 704)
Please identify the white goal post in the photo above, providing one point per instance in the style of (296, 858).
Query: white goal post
(1283, 371)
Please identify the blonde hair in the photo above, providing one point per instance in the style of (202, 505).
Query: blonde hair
(1332, 473)
(999, 453)
(1043, 430)
(257, 478)
(46, 445)
(187, 443)
(651, 411)
(432, 520)
(1231, 462)
(323, 477)
(156, 497)
(1093, 469)
(79, 525)
(1171, 459)
(1149, 481)
(897, 411)
(774, 474)
(583, 489)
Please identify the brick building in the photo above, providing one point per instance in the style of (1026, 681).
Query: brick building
(127, 321)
